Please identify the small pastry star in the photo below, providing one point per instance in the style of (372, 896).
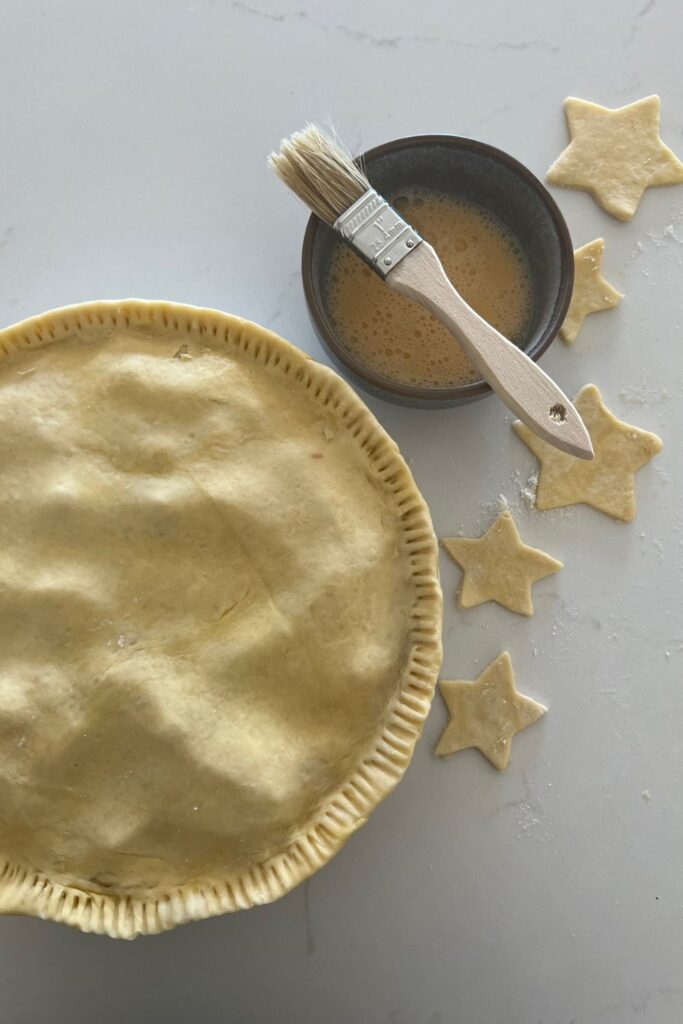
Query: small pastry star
(615, 154)
(499, 567)
(591, 291)
(487, 713)
(607, 481)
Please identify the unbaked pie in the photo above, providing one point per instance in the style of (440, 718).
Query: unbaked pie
(219, 615)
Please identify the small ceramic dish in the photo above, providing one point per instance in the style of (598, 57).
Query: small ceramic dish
(476, 173)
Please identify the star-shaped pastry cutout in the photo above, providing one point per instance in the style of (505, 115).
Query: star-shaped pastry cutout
(615, 154)
(591, 291)
(487, 713)
(499, 567)
(606, 482)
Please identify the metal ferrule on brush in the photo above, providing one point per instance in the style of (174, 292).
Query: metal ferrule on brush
(377, 232)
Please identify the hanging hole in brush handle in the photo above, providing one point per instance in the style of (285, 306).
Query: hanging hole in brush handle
(517, 380)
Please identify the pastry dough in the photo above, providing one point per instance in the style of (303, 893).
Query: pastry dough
(606, 481)
(219, 615)
(591, 292)
(615, 154)
(487, 713)
(499, 567)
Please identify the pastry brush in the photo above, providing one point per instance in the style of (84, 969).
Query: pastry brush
(323, 174)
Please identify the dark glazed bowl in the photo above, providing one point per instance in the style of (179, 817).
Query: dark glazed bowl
(479, 174)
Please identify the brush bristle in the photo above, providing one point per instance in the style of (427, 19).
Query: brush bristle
(319, 171)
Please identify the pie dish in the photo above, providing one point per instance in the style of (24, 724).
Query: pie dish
(219, 615)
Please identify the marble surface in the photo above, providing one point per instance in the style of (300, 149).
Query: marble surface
(133, 163)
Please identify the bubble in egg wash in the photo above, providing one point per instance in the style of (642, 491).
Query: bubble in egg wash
(398, 339)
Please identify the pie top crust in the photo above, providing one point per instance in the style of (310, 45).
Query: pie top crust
(219, 615)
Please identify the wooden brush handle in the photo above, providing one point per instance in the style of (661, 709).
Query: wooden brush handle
(521, 384)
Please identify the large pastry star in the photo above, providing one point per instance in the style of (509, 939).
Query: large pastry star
(606, 482)
(615, 154)
(487, 713)
(591, 291)
(498, 566)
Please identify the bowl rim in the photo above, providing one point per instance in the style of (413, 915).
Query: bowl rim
(464, 392)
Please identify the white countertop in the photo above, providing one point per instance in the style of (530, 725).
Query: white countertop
(133, 163)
